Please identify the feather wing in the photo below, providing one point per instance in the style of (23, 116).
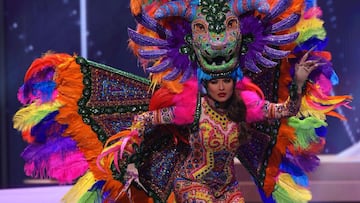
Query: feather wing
(285, 150)
(71, 107)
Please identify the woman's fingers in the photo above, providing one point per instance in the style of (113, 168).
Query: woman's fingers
(306, 55)
(310, 65)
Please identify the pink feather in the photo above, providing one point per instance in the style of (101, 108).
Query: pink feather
(113, 149)
(63, 167)
(254, 105)
(118, 149)
(185, 103)
(253, 99)
(314, 12)
(73, 166)
(325, 84)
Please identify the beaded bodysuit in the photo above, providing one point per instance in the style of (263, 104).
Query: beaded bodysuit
(208, 171)
(213, 148)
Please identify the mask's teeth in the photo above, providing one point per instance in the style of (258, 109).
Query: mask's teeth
(223, 62)
(213, 63)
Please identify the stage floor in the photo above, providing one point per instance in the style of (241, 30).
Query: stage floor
(336, 180)
(49, 194)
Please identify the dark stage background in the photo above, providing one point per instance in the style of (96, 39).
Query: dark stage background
(97, 30)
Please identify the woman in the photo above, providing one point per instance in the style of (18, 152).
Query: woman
(195, 51)
(228, 102)
(207, 174)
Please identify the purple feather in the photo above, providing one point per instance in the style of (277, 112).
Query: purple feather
(175, 72)
(47, 127)
(279, 40)
(165, 64)
(274, 53)
(153, 25)
(38, 152)
(143, 40)
(279, 8)
(39, 86)
(250, 65)
(169, 55)
(307, 162)
(46, 73)
(326, 68)
(187, 74)
(179, 60)
(57, 158)
(152, 54)
(264, 61)
(296, 172)
(252, 28)
(285, 23)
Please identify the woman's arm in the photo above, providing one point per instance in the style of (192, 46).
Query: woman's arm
(292, 105)
(286, 109)
(146, 120)
(260, 109)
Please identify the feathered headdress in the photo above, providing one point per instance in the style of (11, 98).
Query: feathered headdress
(164, 42)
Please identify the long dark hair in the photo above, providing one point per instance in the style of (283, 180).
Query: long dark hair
(236, 111)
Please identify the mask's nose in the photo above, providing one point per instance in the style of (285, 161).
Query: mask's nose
(218, 41)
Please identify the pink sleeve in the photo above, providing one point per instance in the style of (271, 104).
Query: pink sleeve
(254, 105)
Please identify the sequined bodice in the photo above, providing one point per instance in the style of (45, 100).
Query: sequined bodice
(213, 147)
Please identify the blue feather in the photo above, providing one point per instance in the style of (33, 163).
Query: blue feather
(47, 127)
(296, 173)
(321, 132)
(310, 43)
(334, 79)
(44, 90)
(98, 185)
(264, 198)
(310, 4)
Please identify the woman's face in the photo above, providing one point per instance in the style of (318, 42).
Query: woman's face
(220, 89)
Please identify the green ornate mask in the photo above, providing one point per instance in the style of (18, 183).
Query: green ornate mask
(216, 37)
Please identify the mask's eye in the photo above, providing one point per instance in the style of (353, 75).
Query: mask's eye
(199, 28)
(232, 24)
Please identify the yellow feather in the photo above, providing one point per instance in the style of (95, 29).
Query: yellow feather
(80, 188)
(331, 100)
(307, 24)
(307, 111)
(309, 27)
(295, 192)
(30, 115)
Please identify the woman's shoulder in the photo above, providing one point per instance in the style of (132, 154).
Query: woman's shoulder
(253, 98)
(247, 86)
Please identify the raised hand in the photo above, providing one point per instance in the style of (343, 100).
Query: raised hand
(304, 68)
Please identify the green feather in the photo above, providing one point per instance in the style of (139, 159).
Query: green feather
(305, 130)
(91, 196)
